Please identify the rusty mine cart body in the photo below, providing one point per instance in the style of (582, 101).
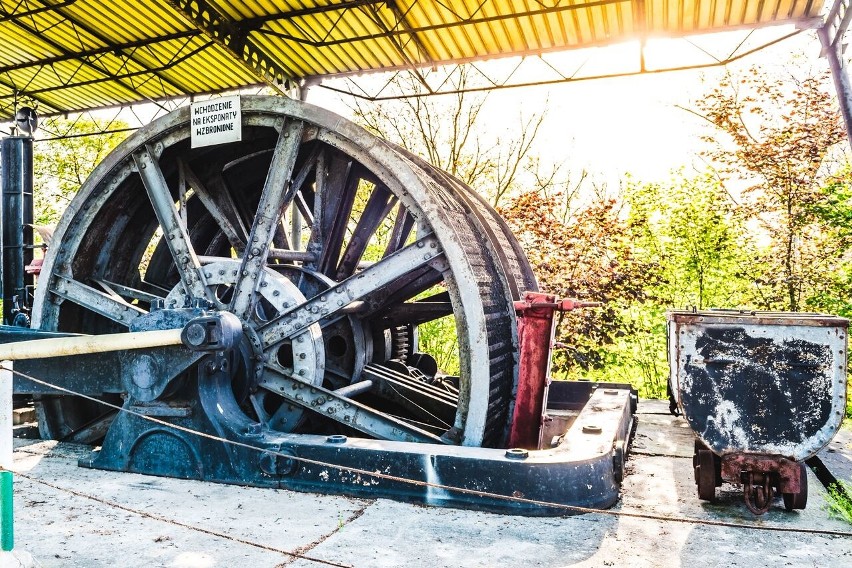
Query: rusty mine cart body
(763, 392)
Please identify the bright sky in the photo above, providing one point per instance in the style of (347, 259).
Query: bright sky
(616, 125)
(631, 124)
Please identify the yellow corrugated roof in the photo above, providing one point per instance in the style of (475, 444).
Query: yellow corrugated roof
(70, 55)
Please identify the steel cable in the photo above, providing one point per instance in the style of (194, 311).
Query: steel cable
(461, 490)
(181, 524)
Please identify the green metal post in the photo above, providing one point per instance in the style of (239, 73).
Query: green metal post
(7, 528)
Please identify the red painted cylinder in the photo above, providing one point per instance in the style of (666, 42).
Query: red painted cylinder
(535, 339)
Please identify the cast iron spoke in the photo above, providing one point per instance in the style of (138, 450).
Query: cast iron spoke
(122, 290)
(277, 192)
(401, 229)
(106, 305)
(297, 201)
(404, 289)
(416, 313)
(342, 409)
(329, 304)
(174, 232)
(378, 206)
(220, 205)
(337, 182)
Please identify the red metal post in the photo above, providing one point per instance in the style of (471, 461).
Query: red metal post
(535, 339)
(535, 342)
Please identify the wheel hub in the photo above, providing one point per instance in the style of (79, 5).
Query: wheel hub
(302, 356)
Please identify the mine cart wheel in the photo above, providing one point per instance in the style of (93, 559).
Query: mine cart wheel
(705, 475)
(307, 202)
(798, 500)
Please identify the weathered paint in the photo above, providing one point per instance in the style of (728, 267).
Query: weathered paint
(535, 338)
(765, 383)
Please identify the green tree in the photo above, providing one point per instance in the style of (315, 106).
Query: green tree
(691, 228)
(589, 253)
(60, 166)
(777, 134)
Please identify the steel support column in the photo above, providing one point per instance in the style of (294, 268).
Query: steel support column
(16, 217)
(831, 36)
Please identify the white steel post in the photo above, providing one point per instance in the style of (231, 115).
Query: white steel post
(6, 415)
(6, 509)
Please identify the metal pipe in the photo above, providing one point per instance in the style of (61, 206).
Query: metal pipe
(293, 255)
(16, 181)
(354, 389)
(85, 344)
(6, 518)
(535, 336)
(832, 52)
(274, 254)
(6, 415)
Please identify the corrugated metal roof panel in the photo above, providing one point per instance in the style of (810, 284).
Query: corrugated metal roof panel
(77, 54)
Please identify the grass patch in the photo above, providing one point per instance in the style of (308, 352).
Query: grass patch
(839, 502)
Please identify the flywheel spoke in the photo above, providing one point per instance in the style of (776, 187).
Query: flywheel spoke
(334, 300)
(378, 206)
(419, 312)
(119, 290)
(274, 198)
(107, 305)
(401, 230)
(335, 195)
(175, 233)
(342, 409)
(221, 206)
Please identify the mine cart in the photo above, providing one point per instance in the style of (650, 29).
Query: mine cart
(762, 391)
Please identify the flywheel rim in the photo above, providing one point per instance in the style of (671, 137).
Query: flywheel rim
(486, 327)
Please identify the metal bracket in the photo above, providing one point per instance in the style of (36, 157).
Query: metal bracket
(234, 38)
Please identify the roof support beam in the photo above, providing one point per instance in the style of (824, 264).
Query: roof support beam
(402, 22)
(831, 36)
(62, 50)
(8, 17)
(120, 76)
(233, 36)
(111, 48)
(411, 30)
(102, 38)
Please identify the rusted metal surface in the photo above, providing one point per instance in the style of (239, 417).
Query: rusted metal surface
(772, 383)
(535, 337)
(762, 476)
(535, 342)
(786, 473)
(762, 392)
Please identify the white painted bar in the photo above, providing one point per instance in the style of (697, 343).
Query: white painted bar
(6, 415)
(79, 345)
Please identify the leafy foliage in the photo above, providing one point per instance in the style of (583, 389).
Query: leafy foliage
(587, 254)
(779, 131)
(62, 165)
(838, 502)
(692, 230)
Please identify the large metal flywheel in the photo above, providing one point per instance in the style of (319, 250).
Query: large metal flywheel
(330, 245)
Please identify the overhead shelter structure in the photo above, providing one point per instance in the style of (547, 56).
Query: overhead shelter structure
(74, 55)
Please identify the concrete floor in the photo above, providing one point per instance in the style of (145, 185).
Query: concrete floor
(69, 516)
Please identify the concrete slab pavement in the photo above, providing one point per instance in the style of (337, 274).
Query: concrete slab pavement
(92, 518)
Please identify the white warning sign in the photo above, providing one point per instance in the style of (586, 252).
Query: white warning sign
(216, 121)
